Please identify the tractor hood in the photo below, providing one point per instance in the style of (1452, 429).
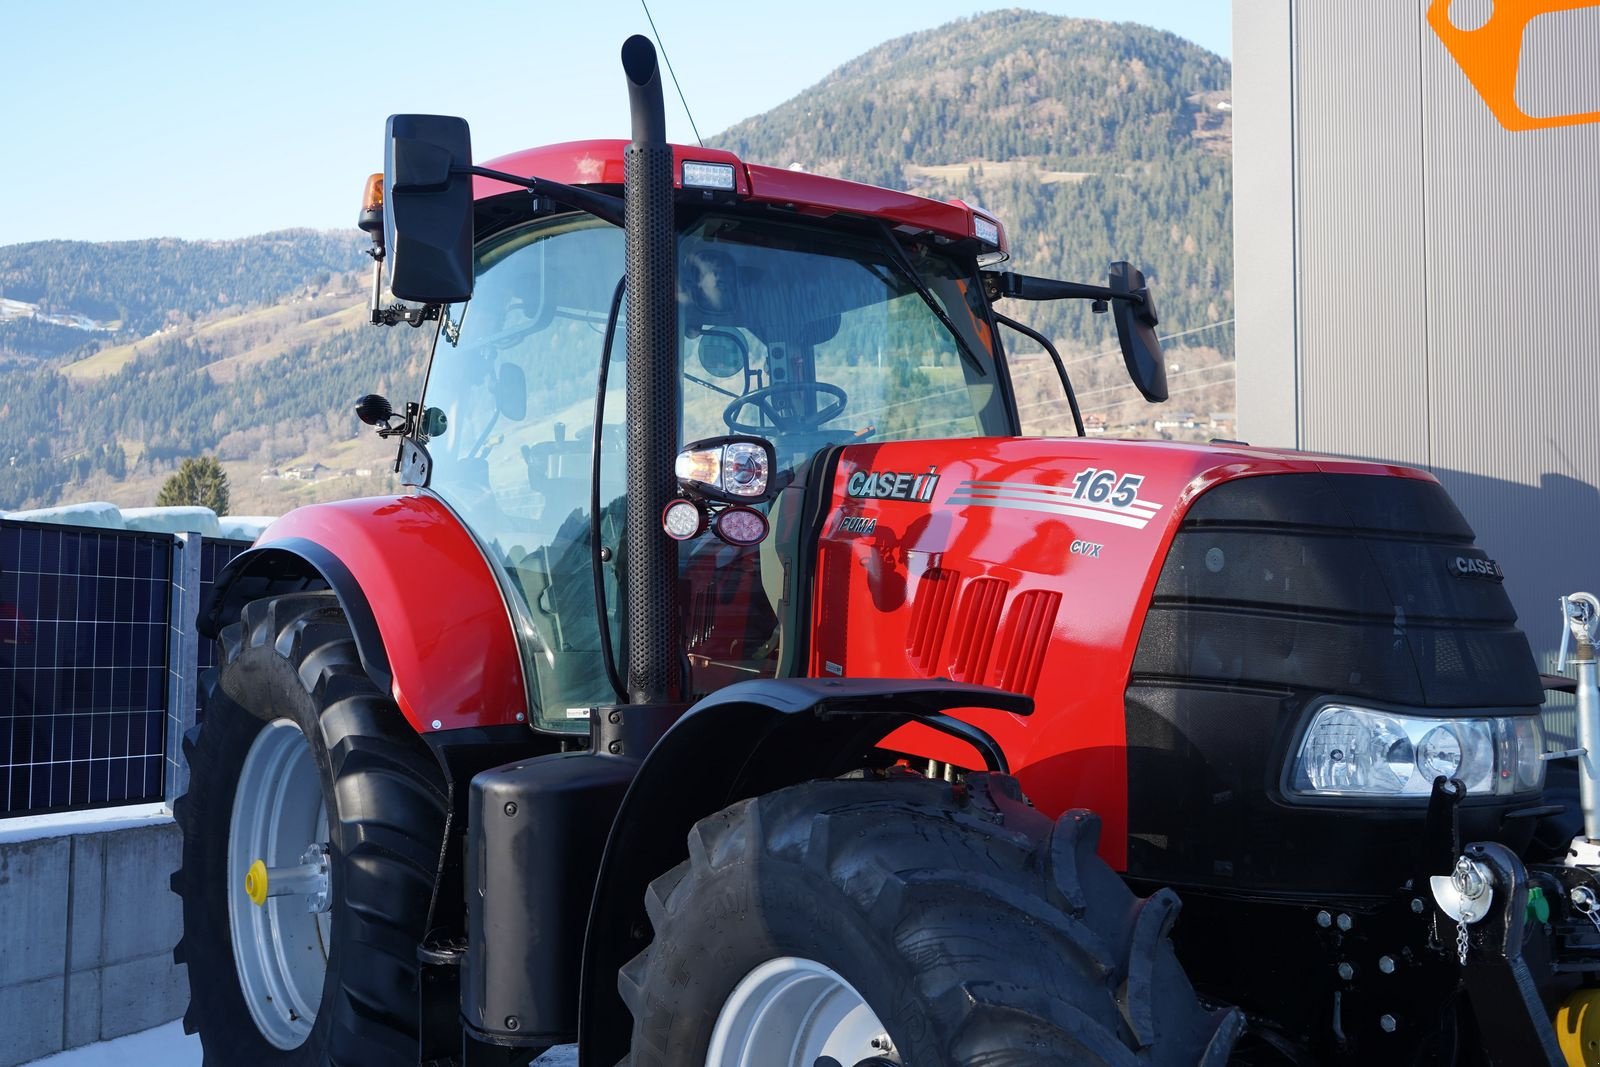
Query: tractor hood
(1175, 610)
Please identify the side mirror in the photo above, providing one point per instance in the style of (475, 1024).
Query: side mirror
(427, 218)
(1136, 333)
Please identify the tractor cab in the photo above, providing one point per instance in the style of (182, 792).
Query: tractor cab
(800, 331)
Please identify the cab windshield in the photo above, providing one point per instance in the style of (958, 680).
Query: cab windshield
(805, 335)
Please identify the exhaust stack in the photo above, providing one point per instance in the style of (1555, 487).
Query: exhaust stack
(654, 675)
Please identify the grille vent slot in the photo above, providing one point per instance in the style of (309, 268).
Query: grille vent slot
(930, 618)
(1028, 626)
(976, 625)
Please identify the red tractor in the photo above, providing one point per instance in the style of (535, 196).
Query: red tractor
(738, 687)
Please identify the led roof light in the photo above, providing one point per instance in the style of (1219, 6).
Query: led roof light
(985, 230)
(708, 176)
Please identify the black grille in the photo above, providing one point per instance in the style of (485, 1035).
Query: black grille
(1280, 590)
(1338, 584)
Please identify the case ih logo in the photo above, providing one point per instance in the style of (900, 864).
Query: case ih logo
(1491, 53)
(1473, 567)
(892, 485)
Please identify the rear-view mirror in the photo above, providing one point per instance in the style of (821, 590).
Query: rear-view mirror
(1136, 333)
(427, 216)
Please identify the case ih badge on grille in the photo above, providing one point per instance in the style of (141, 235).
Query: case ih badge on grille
(1475, 567)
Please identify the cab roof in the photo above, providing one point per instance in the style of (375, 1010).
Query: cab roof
(599, 162)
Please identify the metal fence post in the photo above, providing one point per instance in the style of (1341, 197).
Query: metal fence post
(183, 644)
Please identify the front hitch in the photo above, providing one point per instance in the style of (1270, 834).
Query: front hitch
(1486, 898)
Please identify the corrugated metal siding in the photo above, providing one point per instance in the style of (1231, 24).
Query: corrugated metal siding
(1263, 235)
(1554, 45)
(1448, 279)
(1360, 229)
(1513, 322)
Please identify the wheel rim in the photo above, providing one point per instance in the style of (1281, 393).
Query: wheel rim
(790, 1011)
(280, 948)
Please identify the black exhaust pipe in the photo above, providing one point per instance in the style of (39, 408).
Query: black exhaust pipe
(655, 634)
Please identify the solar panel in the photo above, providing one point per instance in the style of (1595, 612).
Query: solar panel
(83, 660)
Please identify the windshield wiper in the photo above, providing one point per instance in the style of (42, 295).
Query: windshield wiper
(909, 269)
(600, 205)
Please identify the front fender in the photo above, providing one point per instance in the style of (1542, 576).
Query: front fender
(430, 622)
(741, 741)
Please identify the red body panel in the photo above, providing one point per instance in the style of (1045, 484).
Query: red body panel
(1014, 582)
(445, 629)
(599, 162)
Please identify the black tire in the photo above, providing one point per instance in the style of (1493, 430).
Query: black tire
(977, 931)
(292, 656)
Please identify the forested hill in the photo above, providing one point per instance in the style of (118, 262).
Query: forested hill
(121, 359)
(1091, 140)
(138, 287)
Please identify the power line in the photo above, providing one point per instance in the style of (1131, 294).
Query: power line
(1112, 351)
(1053, 402)
(672, 72)
(1122, 403)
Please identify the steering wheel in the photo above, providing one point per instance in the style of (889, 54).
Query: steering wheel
(767, 402)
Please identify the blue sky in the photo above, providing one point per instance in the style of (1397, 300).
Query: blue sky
(179, 118)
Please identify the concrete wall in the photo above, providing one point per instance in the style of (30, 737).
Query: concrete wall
(1415, 282)
(87, 925)
(87, 918)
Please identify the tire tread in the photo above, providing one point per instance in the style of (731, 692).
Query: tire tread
(1021, 944)
(391, 803)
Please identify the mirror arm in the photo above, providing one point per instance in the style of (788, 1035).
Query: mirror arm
(1061, 368)
(1025, 287)
(396, 313)
(600, 205)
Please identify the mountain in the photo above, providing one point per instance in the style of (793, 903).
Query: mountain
(251, 349)
(1092, 141)
(138, 287)
(1074, 95)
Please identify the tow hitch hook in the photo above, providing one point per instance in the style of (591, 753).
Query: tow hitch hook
(1486, 895)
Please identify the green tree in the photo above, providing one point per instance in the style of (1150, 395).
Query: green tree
(200, 480)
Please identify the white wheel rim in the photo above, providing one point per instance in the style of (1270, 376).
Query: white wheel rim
(790, 1011)
(279, 948)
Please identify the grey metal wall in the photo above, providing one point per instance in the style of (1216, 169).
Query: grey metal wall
(1416, 282)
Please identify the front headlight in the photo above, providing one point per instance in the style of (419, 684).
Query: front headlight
(1360, 752)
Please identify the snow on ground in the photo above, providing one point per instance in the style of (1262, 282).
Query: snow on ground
(169, 1046)
(166, 1045)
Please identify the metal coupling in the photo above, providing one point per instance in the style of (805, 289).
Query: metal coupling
(1465, 895)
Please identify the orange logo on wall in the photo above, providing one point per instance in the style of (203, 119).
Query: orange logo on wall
(1490, 55)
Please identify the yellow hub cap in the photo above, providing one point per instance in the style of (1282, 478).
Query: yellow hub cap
(1578, 1028)
(255, 883)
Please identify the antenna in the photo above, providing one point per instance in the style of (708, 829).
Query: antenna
(675, 85)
